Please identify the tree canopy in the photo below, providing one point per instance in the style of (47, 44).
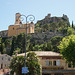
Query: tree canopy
(31, 62)
(70, 31)
(67, 49)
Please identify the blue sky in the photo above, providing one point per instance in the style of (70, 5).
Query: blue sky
(38, 8)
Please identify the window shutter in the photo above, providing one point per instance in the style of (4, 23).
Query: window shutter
(47, 62)
(58, 62)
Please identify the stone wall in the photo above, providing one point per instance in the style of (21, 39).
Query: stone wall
(17, 29)
(4, 33)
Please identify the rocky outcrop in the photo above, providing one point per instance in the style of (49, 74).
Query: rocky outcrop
(48, 19)
(40, 38)
(4, 33)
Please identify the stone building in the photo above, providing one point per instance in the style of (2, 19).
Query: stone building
(19, 27)
(4, 61)
(53, 64)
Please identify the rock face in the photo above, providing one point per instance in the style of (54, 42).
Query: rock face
(48, 19)
(4, 33)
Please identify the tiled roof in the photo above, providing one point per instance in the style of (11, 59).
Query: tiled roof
(42, 53)
(46, 53)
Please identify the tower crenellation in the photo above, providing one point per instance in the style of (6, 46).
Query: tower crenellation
(65, 16)
(48, 16)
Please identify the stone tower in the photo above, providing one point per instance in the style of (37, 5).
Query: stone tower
(17, 18)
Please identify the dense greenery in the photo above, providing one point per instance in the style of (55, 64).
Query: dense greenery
(31, 62)
(17, 43)
(2, 46)
(0, 43)
(55, 42)
(60, 27)
(70, 31)
(49, 46)
(0, 40)
(67, 49)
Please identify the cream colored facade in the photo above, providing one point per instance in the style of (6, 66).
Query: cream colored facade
(4, 61)
(53, 64)
(19, 27)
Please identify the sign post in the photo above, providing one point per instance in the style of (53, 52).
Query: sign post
(24, 70)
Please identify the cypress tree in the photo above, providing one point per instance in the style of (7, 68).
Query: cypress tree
(72, 24)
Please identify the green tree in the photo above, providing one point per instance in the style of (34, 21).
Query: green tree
(18, 50)
(62, 27)
(53, 26)
(36, 48)
(67, 49)
(0, 44)
(33, 65)
(0, 41)
(19, 42)
(14, 45)
(16, 65)
(72, 24)
(2, 48)
(45, 27)
(54, 41)
(70, 31)
(49, 46)
(31, 62)
(8, 44)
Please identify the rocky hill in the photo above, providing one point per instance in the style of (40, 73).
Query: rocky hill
(48, 19)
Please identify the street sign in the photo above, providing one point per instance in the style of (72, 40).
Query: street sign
(24, 69)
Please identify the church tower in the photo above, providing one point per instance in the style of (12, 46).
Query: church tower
(17, 18)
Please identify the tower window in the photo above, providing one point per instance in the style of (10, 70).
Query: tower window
(16, 20)
(13, 28)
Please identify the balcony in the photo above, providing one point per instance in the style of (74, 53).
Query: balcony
(57, 71)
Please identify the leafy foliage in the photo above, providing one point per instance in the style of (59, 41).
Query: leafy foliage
(18, 42)
(2, 47)
(16, 65)
(67, 48)
(54, 42)
(70, 31)
(32, 63)
(61, 27)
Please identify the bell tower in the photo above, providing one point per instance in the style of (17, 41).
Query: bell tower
(17, 18)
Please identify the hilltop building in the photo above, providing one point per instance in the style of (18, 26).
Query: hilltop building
(53, 64)
(19, 27)
(48, 19)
